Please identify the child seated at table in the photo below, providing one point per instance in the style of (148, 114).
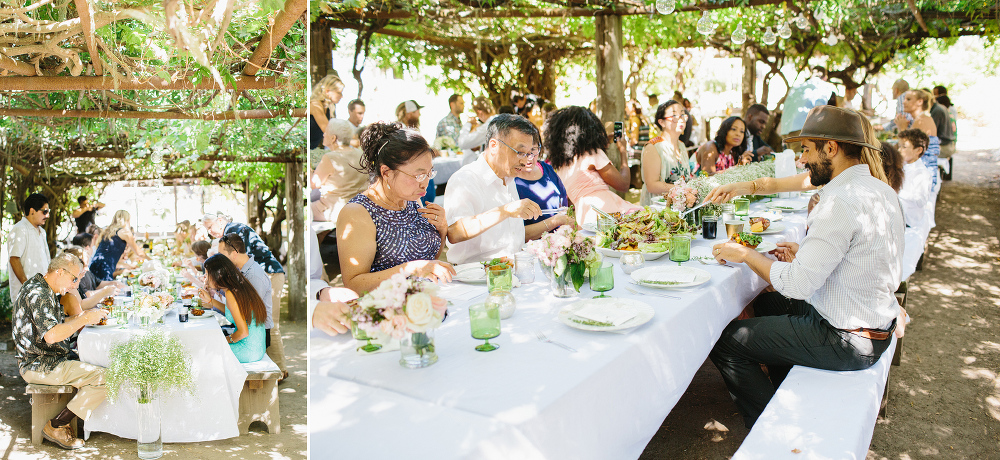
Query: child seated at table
(243, 307)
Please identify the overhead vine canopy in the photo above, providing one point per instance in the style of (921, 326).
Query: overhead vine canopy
(96, 90)
(523, 44)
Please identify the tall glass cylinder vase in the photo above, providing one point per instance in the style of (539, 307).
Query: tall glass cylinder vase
(417, 349)
(149, 438)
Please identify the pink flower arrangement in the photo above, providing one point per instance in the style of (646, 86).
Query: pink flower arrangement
(565, 241)
(682, 196)
(399, 306)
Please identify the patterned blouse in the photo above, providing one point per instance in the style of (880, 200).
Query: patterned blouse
(674, 165)
(35, 312)
(400, 236)
(256, 247)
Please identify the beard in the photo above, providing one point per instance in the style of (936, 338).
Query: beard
(820, 172)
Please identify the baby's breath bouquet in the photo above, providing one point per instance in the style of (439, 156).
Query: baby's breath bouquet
(151, 362)
(743, 173)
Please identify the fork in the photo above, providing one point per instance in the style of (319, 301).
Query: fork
(706, 263)
(542, 338)
(650, 293)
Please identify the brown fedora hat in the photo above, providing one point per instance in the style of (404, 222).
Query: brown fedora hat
(829, 123)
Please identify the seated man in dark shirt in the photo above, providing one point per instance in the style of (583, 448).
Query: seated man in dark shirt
(44, 357)
(756, 118)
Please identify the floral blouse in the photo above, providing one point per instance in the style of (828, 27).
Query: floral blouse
(674, 165)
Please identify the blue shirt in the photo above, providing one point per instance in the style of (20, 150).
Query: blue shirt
(548, 191)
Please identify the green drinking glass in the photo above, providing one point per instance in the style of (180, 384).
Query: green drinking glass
(499, 280)
(602, 279)
(485, 322)
(360, 334)
(680, 248)
(742, 207)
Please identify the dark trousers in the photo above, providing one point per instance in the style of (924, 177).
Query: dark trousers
(267, 339)
(784, 333)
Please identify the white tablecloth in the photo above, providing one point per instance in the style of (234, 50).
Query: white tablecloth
(530, 399)
(209, 415)
(445, 167)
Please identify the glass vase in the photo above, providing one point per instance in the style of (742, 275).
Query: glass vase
(417, 350)
(562, 285)
(149, 439)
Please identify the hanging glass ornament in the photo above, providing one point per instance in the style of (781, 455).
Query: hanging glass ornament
(739, 35)
(705, 25)
(666, 6)
(513, 49)
(769, 37)
(801, 21)
(156, 157)
(784, 31)
(539, 66)
(419, 47)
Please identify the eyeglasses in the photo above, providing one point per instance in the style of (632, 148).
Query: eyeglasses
(75, 278)
(530, 154)
(421, 177)
(682, 117)
(45, 212)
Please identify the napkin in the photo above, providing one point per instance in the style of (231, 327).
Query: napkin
(461, 292)
(613, 313)
(672, 277)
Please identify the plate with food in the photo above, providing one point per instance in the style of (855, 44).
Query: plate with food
(606, 314)
(199, 313)
(764, 226)
(647, 253)
(670, 277)
(105, 323)
(773, 215)
(766, 246)
(787, 205)
(470, 273)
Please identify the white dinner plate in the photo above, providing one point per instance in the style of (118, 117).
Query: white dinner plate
(774, 228)
(766, 246)
(643, 313)
(208, 314)
(590, 226)
(773, 216)
(787, 205)
(472, 273)
(665, 273)
(645, 255)
(106, 326)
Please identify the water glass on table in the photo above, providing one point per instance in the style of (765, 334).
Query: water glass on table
(734, 226)
(524, 267)
(485, 323)
(631, 261)
(602, 278)
(499, 279)
(680, 248)
(741, 208)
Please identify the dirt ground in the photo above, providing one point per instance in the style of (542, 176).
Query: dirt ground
(944, 398)
(15, 419)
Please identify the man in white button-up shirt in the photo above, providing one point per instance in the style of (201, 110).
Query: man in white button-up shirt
(917, 181)
(834, 307)
(28, 248)
(485, 214)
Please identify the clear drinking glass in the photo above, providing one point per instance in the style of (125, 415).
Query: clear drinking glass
(524, 267)
(485, 322)
(602, 279)
(680, 248)
(632, 261)
(360, 334)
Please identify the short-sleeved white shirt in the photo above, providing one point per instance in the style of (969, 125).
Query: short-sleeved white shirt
(28, 243)
(471, 191)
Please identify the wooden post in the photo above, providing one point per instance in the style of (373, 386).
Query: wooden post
(749, 78)
(610, 82)
(866, 97)
(295, 267)
(320, 59)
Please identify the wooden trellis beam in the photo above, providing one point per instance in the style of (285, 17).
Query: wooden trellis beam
(85, 11)
(66, 83)
(219, 116)
(282, 24)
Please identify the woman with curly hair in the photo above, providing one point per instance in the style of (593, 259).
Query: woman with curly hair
(728, 149)
(664, 158)
(575, 140)
(383, 231)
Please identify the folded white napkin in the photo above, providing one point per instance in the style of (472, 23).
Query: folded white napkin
(461, 292)
(613, 313)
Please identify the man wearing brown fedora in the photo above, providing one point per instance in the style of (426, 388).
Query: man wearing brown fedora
(833, 306)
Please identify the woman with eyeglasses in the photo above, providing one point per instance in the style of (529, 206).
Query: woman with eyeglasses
(384, 230)
(728, 149)
(664, 158)
(114, 239)
(243, 308)
(576, 143)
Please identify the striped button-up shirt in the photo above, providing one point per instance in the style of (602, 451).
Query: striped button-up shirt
(848, 265)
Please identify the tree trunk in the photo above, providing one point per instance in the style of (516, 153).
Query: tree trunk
(296, 265)
(320, 47)
(610, 82)
(749, 79)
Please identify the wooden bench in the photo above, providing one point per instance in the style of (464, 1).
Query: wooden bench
(47, 401)
(259, 398)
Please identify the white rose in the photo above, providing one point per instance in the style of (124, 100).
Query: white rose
(420, 312)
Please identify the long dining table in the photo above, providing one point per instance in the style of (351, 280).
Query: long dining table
(532, 399)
